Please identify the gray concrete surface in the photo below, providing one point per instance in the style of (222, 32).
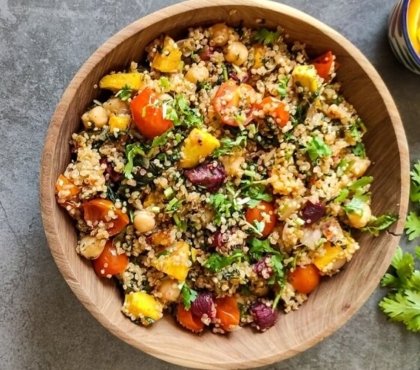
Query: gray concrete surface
(42, 325)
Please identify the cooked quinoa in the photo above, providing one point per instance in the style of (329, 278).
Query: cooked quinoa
(219, 179)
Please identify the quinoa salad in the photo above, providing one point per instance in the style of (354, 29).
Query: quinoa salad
(219, 179)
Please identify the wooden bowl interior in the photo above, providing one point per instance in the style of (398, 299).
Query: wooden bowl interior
(337, 298)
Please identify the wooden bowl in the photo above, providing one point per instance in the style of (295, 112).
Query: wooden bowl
(338, 298)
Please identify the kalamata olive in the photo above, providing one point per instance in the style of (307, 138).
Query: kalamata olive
(263, 268)
(109, 173)
(312, 213)
(264, 317)
(234, 76)
(208, 175)
(203, 307)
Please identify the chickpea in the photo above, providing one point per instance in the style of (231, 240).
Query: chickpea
(98, 116)
(91, 247)
(219, 34)
(236, 53)
(357, 220)
(169, 290)
(359, 166)
(144, 221)
(197, 73)
(116, 106)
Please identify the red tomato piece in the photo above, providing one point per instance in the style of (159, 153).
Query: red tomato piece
(148, 114)
(227, 313)
(187, 320)
(97, 210)
(276, 109)
(234, 103)
(263, 212)
(110, 263)
(305, 278)
(323, 65)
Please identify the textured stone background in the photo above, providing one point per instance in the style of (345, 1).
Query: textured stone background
(42, 325)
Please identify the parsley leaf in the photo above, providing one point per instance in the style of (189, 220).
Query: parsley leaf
(380, 223)
(178, 110)
(360, 183)
(403, 307)
(359, 150)
(124, 94)
(355, 205)
(266, 37)
(217, 262)
(258, 248)
(161, 140)
(225, 204)
(415, 173)
(131, 151)
(316, 148)
(282, 87)
(415, 183)
(412, 226)
(403, 302)
(227, 145)
(188, 296)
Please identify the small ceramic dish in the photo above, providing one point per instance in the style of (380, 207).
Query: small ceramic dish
(404, 33)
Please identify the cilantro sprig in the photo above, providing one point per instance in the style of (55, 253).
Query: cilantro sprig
(131, 151)
(217, 262)
(266, 37)
(188, 296)
(228, 145)
(316, 148)
(179, 111)
(125, 93)
(402, 304)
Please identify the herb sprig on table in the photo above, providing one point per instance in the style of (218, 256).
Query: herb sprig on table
(402, 303)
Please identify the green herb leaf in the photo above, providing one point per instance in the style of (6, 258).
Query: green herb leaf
(282, 87)
(359, 150)
(217, 262)
(178, 110)
(225, 72)
(342, 196)
(188, 296)
(164, 83)
(403, 307)
(355, 205)
(403, 303)
(412, 226)
(415, 173)
(265, 36)
(316, 148)
(225, 204)
(258, 248)
(360, 183)
(131, 151)
(161, 140)
(227, 145)
(173, 205)
(124, 94)
(379, 224)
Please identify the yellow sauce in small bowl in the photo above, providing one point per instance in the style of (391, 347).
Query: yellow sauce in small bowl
(413, 24)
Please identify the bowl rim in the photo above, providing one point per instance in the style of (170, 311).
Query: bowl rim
(47, 195)
(407, 39)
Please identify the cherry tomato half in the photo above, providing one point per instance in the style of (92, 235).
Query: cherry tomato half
(227, 313)
(305, 278)
(97, 210)
(148, 114)
(234, 103)
(276, 109)
(110, 263)
(263, 212)
(323, 64)
(187, 320)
